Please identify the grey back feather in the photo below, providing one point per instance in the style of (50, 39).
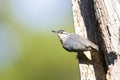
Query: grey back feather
(75, 43)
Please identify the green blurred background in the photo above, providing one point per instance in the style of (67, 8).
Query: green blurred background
(28, 48)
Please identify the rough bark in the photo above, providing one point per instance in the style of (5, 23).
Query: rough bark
(99, 21)
(90, 64)
(108, 17)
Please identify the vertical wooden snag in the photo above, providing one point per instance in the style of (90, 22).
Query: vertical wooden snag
(99, 21)
(108, 17)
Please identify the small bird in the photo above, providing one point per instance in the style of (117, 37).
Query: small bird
(73, 42)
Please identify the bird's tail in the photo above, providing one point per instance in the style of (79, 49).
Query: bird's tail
(94, 46)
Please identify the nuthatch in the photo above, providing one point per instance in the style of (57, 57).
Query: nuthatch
(73, 42)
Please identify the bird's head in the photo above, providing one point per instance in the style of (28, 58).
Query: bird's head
(61, 34)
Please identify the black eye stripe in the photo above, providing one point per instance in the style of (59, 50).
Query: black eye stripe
(60, 31)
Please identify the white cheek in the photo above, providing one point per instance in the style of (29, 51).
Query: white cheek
(62, 36)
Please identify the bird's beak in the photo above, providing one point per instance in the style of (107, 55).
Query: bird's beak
(54, 31)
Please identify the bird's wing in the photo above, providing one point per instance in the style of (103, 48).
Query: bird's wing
(72, 43)
(81, 41)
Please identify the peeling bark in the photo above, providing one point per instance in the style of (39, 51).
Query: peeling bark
(108, 17)
(85, 25)
(99, 21)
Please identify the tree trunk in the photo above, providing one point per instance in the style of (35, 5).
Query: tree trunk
(99, 21)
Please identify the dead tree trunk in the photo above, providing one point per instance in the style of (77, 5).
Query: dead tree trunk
(99, 21)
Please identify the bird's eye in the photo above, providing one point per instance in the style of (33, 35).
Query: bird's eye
(61, 32)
